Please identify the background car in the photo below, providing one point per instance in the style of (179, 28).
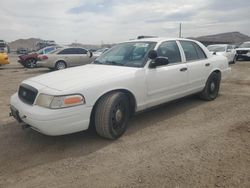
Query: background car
(4, 59)
(3, 46)
(225, 50)
(29, 60)
(243, 52)
(65, 57)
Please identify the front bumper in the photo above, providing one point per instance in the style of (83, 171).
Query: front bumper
(243, 56)
(52, 122)
(5, 62)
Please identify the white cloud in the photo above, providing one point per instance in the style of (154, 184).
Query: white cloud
(112, 21)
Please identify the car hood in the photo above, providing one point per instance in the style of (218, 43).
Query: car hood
(25, 56)
(83, 76)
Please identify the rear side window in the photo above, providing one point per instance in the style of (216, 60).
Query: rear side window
(170, 50)
(201, 54)
(81, 51)
(192, 51)
(68, 51)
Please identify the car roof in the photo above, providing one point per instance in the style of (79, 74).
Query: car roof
(159, 39)
(219, 45)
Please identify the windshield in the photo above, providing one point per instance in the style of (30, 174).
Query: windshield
(217, 48)
(130, 54)
(245, 45)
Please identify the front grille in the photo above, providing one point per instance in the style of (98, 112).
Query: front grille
(242, 51)
(27, 93)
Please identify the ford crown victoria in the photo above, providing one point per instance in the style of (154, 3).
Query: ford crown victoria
(131, 77)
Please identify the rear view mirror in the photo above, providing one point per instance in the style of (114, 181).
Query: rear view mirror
(152, 54)
(159, 61)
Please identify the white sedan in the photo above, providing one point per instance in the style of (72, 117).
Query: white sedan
(130, 77)
(224, 49)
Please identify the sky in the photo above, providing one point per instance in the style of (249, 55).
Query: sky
(111, 21)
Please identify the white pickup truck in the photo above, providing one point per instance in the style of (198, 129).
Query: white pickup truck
(128, 78)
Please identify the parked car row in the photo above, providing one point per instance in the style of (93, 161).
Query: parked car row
(230, 52)
(130, 77)
(29, 60)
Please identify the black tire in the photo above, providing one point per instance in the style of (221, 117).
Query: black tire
(30, 63)
(60, 65)
(112, 115)
(211, 90)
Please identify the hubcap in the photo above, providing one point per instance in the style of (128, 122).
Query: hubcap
(212, 86)
(61, 66)
(118, 115)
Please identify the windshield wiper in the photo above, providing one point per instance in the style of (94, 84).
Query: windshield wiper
(97, 62)
(113, 63)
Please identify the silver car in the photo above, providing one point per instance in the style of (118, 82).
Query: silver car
(65, 57)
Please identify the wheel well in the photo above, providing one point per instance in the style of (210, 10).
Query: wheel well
(218, 72)
(31, 58)
(131, 98)
(61, 61)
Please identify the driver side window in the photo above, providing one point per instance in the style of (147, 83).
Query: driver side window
(170, 50)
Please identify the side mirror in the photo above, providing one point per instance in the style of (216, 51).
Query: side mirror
(159, 61)
(214, 53)
(89, 54)
(152, 54)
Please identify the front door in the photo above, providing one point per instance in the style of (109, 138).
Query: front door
(165, 83)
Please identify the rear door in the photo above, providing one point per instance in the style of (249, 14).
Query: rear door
(70, 55)
(83, 56)
(197, 63)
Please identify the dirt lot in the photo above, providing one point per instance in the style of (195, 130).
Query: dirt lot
(187, 143)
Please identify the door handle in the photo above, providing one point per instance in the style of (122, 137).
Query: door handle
(207, 64)
(183, 69)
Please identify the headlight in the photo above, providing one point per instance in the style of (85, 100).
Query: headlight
(55, 102)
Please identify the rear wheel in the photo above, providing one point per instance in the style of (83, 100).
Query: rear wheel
(112, 115)
(60, 65)
(30, 63)
(211, 90)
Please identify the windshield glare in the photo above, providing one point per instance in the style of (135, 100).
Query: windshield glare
(130, 54)
(216, 48)
(245, 45)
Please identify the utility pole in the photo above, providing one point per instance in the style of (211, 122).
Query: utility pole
(180, 31)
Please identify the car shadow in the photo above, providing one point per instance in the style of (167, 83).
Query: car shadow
(162, 112)
(37, 71)
(28, 148)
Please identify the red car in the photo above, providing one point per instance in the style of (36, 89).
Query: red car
(29, 60)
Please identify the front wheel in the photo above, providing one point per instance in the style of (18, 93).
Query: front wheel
(30, 63)
(112, 115)
(211, 90)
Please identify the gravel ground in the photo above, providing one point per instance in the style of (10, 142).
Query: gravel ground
(186, 143)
